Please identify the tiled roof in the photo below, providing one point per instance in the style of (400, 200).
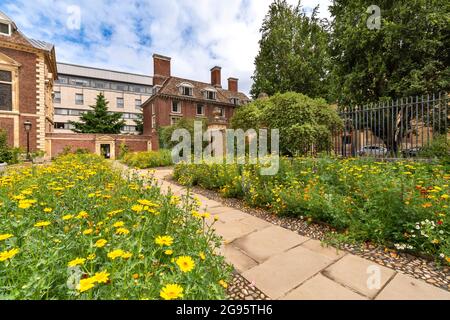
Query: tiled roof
(171, 87)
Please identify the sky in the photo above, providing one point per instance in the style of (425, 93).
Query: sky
(123, 35)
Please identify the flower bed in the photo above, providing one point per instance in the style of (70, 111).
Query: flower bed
(147, 160)
(77, 230)
(401, 204)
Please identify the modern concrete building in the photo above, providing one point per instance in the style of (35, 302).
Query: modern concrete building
(78, 86)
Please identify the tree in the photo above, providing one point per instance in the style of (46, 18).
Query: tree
(99, 119)
(139, 123)
(305, 124)
(407, 56)
(293, 52)
(165, 133)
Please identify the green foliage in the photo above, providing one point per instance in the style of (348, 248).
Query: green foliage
(7, 154)
(398, 204)
(53, 219)
(293, 52)
(150, 159)
(99, 119)
(408, 56)
(302, 121)
(139, 123)
(165, 133)
(439, 148)
(124, 149)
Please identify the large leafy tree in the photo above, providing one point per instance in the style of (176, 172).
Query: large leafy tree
(99, 119)
(293, 52)
(408, 55)
(305, 124)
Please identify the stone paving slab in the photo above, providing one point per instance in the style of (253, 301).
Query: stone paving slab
(406, 288)
(317, 246)
(322, 288)
(286, 271)
(268, 242)
(231, 231)
(353, 272)
(238, 259)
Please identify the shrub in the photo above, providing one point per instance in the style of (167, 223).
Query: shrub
(150, 159)
(165, 133)
(439, 148)
(77, 230)
(402, 204)
(7, 154)
(305, 124)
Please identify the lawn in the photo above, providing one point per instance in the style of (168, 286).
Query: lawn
(398, 204)
(76, 229)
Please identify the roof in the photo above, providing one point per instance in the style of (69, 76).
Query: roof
(42, 45)
(103, 74)
(172, 84)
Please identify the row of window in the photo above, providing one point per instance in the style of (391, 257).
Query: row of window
(200, 109)
(77, 113)
(68, 126)
(104, 85)
(79, 100)
(209, 94)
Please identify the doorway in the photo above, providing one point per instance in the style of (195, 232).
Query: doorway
(105, 150)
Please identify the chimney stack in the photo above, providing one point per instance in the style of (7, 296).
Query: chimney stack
(233, 84)
(161, 69)
(216, 77)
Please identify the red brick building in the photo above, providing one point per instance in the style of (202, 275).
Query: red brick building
(176, 98)
(27, 73)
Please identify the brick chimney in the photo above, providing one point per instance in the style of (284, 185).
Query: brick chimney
(161, 69)
(216, 77)
(233, 84)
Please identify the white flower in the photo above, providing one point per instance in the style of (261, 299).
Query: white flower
(442, 255)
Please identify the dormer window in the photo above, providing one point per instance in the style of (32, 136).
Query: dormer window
(235, 101)
(5, 29)
(186, 89)
(210, 94)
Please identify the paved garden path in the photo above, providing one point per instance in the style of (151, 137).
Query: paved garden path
(286, 265)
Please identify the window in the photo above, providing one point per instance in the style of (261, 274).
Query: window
(235, 101)
(176, 107)
(57, 97)
(154, 122)
(79, 82)
(129, 128)
(153, 108)
(79, 99)
(186, 91)
(6, 90)
(200, 110)
(62, 80)
(100, 84)
(5, 29)
(63, 126)
(210, 95)
(120, 103)
(174, 120)
(138, 103)
(222, 112)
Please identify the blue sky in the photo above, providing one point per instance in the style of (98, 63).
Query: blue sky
(123, 35)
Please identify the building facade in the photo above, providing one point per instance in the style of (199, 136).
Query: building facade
(176, 98)
(77, 88)
(27, 74)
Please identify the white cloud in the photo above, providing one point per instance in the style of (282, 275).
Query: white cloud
(197, 34)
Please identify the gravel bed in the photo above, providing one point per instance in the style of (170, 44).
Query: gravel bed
(417, 267)
(241, 289)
